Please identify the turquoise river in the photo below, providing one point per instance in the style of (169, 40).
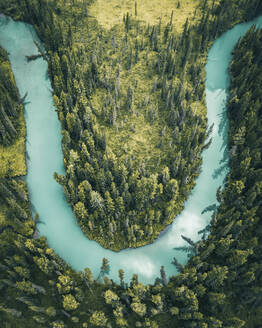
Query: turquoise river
(45, 157)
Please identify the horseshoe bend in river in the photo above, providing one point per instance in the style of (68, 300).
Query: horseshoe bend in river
(44, 149)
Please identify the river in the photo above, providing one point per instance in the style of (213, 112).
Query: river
(43, 145)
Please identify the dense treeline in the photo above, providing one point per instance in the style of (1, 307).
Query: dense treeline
(14, 205)
(220, 286)
(10, 103)
(239, 219)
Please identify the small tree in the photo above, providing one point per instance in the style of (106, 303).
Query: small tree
(139, 308)
(105, 268)
(111, 297)
(98, 319)
(51, 311)
(89, 275)
(163, 276)
(69, 302)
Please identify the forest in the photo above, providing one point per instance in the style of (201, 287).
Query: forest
(221, 284)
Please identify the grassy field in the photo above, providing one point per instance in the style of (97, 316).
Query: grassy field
(109, 13)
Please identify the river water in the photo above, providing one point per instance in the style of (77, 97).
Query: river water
(45, 157)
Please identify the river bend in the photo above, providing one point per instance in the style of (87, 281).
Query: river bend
(45, 157)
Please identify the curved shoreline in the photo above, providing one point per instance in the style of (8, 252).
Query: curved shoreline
(44, 149)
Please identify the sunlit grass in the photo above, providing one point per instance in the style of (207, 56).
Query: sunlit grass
(12, 158)
(135, 135)
(109, 13)
(139, 144)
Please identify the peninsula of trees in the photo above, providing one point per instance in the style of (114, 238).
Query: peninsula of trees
(132, 109)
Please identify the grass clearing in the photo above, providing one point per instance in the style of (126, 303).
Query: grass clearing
(12, 158)
(135, 134)
(109, 13)
(139, 144)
